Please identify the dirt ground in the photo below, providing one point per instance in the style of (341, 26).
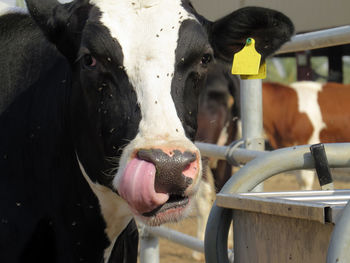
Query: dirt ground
(173, 253)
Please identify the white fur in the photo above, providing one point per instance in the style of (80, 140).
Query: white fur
(307, 92)
(305, 179)
(307, 100)
(148, 31)
(203, 201)
(114, 209)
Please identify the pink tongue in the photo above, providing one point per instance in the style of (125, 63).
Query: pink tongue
(137, 186)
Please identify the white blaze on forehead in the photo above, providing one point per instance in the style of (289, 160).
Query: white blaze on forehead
(307, 92)
(148, 31)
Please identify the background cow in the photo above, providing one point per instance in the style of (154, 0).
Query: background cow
(306, 113)
(98, 103)
(218, 121)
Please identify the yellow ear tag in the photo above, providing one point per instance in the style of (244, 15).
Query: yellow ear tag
(261, 74)
(247, 60)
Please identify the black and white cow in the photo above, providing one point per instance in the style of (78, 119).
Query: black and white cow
(98, 105)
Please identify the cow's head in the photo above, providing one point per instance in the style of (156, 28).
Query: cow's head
(218, 107)
(138, 67)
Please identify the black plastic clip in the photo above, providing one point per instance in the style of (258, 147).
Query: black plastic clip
(321, 165)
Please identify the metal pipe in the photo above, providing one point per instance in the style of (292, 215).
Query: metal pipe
(149, 246)
(338, 249)
(255, 172)
(318, 39)
(212, 150)
(251, 115)
(179, 238)
(176, 237)
(220, 152)
(282, 160)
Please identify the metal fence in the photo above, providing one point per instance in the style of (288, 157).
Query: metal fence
(264, 166)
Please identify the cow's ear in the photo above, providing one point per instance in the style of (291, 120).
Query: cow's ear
(269, 28)
(62, 24)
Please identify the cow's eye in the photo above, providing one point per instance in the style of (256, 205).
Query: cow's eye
(206, 59)
(89, 61)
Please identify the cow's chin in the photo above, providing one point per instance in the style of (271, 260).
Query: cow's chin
(174, 210)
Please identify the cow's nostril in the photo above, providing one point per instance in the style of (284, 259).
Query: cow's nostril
(169, 169)
(187, 167)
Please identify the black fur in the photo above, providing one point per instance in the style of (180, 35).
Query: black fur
(48, 211)
(269, 28)
(190, 73)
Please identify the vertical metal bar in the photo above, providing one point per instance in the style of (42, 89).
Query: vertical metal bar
(252, 118)
(149, 247)
(338, 249)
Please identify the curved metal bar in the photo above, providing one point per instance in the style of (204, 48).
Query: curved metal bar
(338, 249)
(283, 160)
(216, 233)
(252, 174)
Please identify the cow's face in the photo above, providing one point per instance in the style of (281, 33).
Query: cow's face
(138, 68)
(141, 77)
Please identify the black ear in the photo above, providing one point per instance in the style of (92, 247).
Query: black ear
(62, 24)
(269, 28)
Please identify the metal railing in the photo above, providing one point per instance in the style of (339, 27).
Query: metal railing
(255, 172)
(259, 169)
(317, 39)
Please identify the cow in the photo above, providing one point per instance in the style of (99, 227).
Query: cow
(218, 123)
(219, 112)
(98, 114)
(308, 113)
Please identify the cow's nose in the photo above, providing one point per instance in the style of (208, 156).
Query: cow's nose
(169, 169)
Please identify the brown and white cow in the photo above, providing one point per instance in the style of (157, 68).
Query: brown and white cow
(218, 117)
(306, 112)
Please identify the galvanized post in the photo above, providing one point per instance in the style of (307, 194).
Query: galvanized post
(338, 249)
(252, 118)
(149, 246)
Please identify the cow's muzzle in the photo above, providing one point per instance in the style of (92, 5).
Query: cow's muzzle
(170, 167)
(156, 181)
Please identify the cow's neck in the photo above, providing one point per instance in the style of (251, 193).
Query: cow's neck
(114, 209)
